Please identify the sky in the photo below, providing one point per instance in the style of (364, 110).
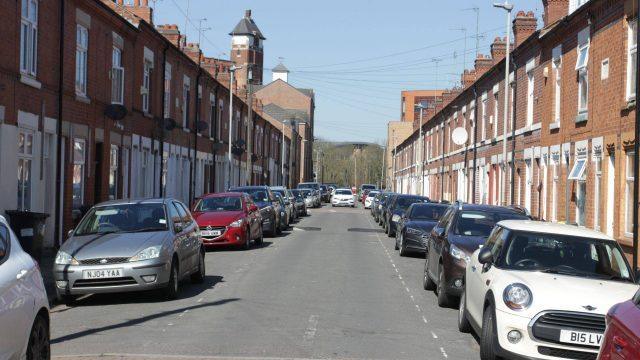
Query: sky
(356, 54)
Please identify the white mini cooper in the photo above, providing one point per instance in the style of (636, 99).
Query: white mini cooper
(541, 291)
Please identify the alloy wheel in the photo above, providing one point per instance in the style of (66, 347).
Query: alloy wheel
(39, 347)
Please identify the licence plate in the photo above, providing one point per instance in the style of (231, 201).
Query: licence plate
(580, 337)
(210, 232)
(102, 274)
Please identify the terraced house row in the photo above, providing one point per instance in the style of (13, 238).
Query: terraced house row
(570, 112)
(98, 103)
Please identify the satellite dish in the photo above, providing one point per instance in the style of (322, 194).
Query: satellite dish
(459, 136)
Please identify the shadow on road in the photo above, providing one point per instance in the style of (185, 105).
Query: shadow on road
(229, 248)
(138, 321)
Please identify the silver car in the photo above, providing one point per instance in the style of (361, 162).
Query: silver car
(24, 308)
(130, 245)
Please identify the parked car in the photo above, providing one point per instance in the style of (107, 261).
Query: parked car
(363, 196)
(460, 232)
(309, 198)
(325, 194)
(24, 313)
(130, 245)
(285, 211)
(269, 207)
(288, 201)
(343, 197)
(622, 337)
(228, 219)
(541, 290)
(364, 187)
(396, 210)
(369, 199)
(379, 204)
(415, 226)
(385, 206)
(299, 202)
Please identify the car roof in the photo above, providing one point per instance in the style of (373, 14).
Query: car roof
(552, 228)
(484, 207)
(135, 201)
(277, 187)
(344, 189)
(222, 194)
(236, 188)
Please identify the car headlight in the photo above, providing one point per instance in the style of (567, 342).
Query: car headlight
(152, 252)
(414, 231)
(379, 207)
(459, 254)
(236, 224)
(395, 218)
(517, 296)
(62, 258)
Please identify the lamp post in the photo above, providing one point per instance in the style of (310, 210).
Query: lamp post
(232, 71)
(508, 8)
(420, 176)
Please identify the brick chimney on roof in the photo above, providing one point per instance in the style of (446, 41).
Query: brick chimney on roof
(192, 50)
(171, 33)
(524, 25)
(482, 64)
(498, 49)
(468, 77)
(554, 10)
(134, 11)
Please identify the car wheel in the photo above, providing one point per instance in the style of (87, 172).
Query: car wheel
(396, 247)
(487, 336)
(278, 227)
(39, 347)
(247, 240)
(403, 249)
(198, 276)
(427, 283)
(171, 290)
(260, 240)
(463, 322)
(443, 298)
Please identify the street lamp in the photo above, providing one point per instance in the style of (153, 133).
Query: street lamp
(508, 8)
(232, 71)
(420, 175)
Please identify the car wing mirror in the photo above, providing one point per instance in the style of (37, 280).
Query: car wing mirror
(438, 231)
(70, 233)
(485, 257)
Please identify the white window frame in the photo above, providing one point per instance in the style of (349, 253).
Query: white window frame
(557, 89)
(597, 189)
(82, 50)
(530, 97)
(632, 51)
(29, 37)
(483, 132)
(577, 173)
(113, 172)
(496, 109)
(628, 189)
(582, 63)
(186, 98)
(555, 179)
(117, 76)
(146, 85)
(167, 91)
(81, 163)
(25, 157)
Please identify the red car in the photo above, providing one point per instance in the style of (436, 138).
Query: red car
(228, 219)
(622, 337)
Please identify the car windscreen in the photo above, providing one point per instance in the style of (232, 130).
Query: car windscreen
(305, 192)
(123, 218)
(427, 212)
(343, 192)
(308, 186)
(279, 191)
(566, 255)
(226, 203)
(372, 194)
(403, 203)
(258, 195)
(368, 187)
(297, 193)
(480, 223)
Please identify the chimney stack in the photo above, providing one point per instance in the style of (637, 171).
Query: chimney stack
(498, 49)
(247, 14)
(482, 65)
(468, 77)
(171, 33)
(554, 10)
(134, 11)
(524, 25)
(192, 50)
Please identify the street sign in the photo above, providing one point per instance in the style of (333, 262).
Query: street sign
(459, 136)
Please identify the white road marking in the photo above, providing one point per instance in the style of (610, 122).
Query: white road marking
(400, 277)
(434, 335)
(310, 332)
(424, 319)
(418, 307)
(444, 353)
(412, 299)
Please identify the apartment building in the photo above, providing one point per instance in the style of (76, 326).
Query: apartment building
(98, 103)
(566, 152)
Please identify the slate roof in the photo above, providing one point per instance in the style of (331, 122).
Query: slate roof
(280, 68)
(247, 26)
(282, 114)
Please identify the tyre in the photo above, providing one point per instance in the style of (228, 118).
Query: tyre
(427, 283)
(487, 335)
(278, 227)
(463, 323)
(396, 247)
(403, 249)
(247, 240)
(171, 289)
(260, 240)
(198, 276)
(443, 299)
(39, 347)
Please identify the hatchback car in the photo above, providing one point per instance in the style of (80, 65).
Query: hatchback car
(343, 197)
(228, 219)
(24, 313)
(288, 201)
(285, 211)
(269, 207)
(368, 201)
(309, 199)
(541, 290)
(130, 245)
(299, 202)
(622, 338)
(461, 230)
(414, 227)
(378, 210)
(396, 210)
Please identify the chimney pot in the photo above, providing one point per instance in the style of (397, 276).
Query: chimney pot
(524, 25)
(247, 14)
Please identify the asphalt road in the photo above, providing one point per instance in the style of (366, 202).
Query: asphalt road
(331, 288)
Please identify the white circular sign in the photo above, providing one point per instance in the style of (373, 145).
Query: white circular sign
(459, 136)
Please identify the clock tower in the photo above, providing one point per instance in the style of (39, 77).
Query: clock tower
(247, 52)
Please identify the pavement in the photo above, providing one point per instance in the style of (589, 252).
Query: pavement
(330, 288)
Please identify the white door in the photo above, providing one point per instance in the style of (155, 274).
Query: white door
(527, 185)
(610, 194)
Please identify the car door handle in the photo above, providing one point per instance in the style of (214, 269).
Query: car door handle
(21, 274)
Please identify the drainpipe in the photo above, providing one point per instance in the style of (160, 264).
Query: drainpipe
(162, 122)
(442, 165)
(59, 185)
(513, 131)
(192, 172)
(475, 141)
(636, 149)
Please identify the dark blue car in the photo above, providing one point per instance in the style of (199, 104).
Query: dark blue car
(414, 228)
(396, 208)
(270, 208)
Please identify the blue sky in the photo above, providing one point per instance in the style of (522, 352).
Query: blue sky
(357, 54)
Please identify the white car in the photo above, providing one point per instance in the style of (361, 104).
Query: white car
(541, 290)
(343, 197)
(369, 199)
(24, 308)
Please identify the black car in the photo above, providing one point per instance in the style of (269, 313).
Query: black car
(325, 194)
(396, 208)
(460, 232)
(382, 203)
(270, 207)
(414, 228)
